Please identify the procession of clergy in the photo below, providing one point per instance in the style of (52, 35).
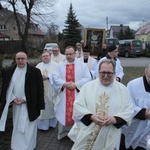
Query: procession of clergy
(77, 103)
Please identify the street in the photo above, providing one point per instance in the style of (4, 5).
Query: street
(134, 62)
(126, 62)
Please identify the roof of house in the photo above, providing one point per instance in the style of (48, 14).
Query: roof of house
(34, 32)
(7, 14)
(145, 29)
(3, 36)
(118, 28)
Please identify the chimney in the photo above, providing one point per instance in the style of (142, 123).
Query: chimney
(121, 25)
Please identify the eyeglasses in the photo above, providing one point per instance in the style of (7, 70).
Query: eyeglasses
(116, 51)
(45, 56)
(109, 74)
(21, 58)
(55, 50)
(69, 54)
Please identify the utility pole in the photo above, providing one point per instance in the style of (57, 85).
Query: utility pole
(107, 23)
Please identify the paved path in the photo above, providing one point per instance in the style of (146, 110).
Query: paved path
(126, 62)
(134, 62)
(47, 140)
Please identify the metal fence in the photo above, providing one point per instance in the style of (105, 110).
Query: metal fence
(10, 47)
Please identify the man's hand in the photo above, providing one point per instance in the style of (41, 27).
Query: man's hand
(69, 85)
(103, 120)
(147, 113)
(109, 120)
(19, 101)
(45, 77)
(98, 119)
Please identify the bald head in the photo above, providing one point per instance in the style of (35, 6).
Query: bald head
(21, 59)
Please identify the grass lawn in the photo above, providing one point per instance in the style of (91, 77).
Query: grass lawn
(130, 73)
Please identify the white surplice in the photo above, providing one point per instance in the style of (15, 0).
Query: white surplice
(92, 65)
(79, 53)
(23, 129)
(47, 117)
(59, 58)
(139, 131)
(106, 101)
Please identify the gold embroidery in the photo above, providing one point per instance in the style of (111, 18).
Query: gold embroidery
(102, 110)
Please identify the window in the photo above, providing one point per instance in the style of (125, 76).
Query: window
(127, 43)
(2, 27)
(137, 43)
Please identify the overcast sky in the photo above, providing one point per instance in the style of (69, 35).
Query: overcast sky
(93, 13)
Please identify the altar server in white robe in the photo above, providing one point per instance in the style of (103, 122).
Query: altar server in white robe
(56, 55)
(23, 88)
(101, 108)
(68, 77)
(89, 61)
(138, 134)
(79, 51)
(113, 54)
(47, 117)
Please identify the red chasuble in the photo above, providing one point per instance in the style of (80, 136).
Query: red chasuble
(70, 94)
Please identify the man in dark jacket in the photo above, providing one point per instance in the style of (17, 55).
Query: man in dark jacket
(23, 88)
(102, 53)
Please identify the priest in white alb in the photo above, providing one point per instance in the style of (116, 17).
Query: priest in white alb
(89, 61)
(47, 117)
(23, 88)
(137, 136)
(68, 77)
(56, 55)
(101, 108)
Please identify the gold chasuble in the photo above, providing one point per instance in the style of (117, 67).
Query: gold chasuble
(70, 94)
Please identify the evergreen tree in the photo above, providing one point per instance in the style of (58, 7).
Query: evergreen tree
(121, 35)
(128, 34)
(72, 34)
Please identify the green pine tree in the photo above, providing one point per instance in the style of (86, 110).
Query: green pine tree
(72, 34)
(128, 34)
(121, 35)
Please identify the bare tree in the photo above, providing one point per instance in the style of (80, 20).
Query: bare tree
(52, 33)
(37, 10)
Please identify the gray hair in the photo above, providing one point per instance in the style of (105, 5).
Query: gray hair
(56, 47)
(147, 67)
(107, 61)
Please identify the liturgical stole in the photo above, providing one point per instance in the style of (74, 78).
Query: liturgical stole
(70, 94)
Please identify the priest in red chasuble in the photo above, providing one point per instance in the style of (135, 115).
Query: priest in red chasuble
(68, 77)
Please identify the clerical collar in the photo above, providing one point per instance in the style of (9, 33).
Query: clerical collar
(108, 57)
(109, 86)
(86, 60)
(146, 85)
(22, 68)
(46, 64)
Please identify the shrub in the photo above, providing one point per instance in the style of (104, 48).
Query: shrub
(146, 53)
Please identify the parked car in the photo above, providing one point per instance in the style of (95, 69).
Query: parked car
(49, 46)
(130, 47)
(111, 41)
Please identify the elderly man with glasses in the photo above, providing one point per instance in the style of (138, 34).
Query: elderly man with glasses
(56, 55)
(23, 89)
(101, 108)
